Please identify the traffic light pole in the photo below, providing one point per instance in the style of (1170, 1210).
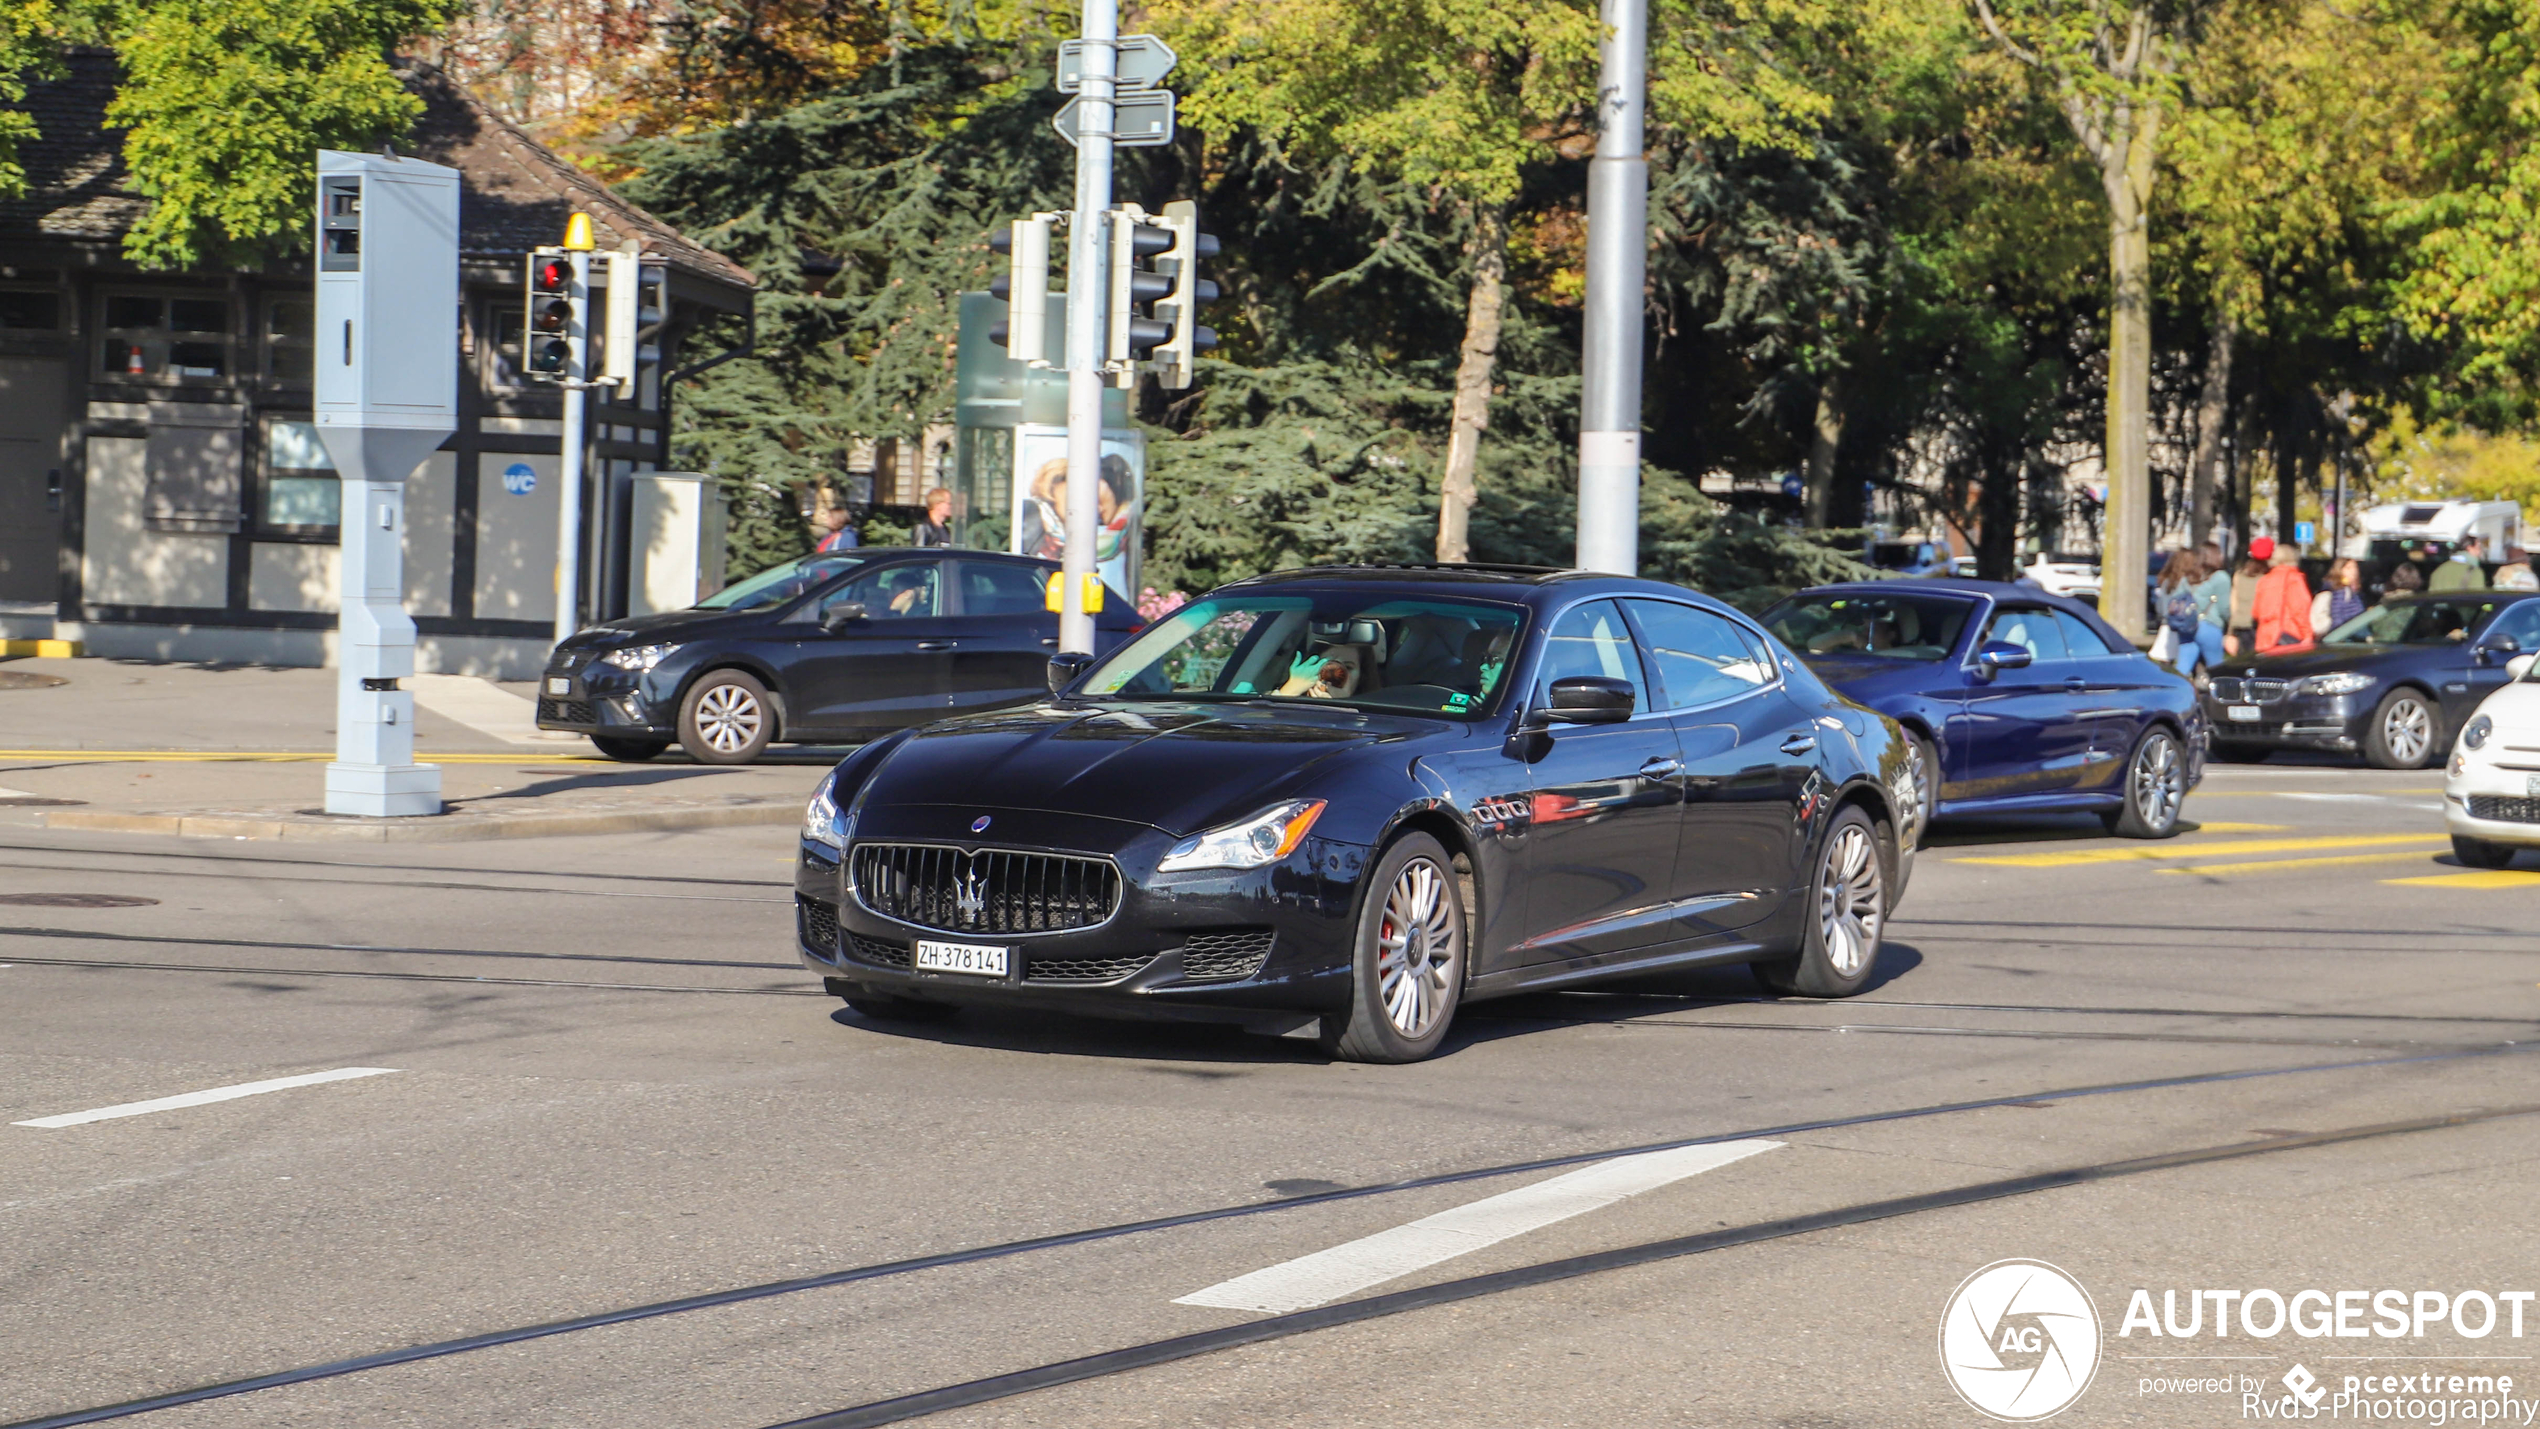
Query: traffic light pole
(1088, 319)
(1617, 260)
(569, 481)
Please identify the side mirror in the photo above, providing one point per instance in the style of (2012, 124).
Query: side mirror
(1587, 699)
(2000, 655)
(2494, 646)
(838, 617)
(1065, 666)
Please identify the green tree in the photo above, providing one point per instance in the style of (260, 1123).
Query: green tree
(29, 35)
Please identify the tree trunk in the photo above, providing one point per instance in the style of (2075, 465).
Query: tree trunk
(2126, 547)
(1825, 436)
(2213, 408)
(1472, 382)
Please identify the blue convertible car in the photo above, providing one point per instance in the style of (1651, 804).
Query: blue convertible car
(2017, 701)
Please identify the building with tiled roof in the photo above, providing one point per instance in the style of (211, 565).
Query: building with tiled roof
(161, 491)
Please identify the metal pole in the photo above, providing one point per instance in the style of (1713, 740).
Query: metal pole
(569, 494)
(1088, 317)
(1617, 258)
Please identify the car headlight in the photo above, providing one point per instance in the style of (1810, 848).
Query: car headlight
(2345, 682)
(1266, 837)
(2475, 736)
(637, 657)
(822, 821)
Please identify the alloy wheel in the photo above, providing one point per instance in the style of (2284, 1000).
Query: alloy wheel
(729, 717)
(1419, 949)
(2159, 782)
(1850, 900)
(2407, 728)
(1912, 807)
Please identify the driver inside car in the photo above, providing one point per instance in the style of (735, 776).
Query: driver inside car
(1331, 674)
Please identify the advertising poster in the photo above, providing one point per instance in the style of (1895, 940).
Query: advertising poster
(1040, 500)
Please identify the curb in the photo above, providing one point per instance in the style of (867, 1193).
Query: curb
(443, 828)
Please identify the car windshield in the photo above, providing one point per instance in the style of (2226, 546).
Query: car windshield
(1886, 627)
(1446, 657)
(2412, 622)
(782, 583)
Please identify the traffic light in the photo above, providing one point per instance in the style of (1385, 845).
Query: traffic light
(1025, 286)
(1134, 287)
(555, 301)
(1179, 353)
(634, 309)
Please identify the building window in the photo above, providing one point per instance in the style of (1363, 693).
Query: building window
(167, 337)
(30, 310)
(301, 495)
(290, 334)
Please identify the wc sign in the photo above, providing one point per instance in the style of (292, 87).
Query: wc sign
(520, 478)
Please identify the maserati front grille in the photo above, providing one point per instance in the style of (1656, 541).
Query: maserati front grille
(986, 890)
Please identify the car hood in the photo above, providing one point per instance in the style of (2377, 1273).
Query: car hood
(2321, 659)
(2515, 708)
(1176, 767)
(666, 627)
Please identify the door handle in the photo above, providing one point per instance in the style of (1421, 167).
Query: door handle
(1799, 744)
(937, 644)
(2076, 683)
(1661, 768)
(1049, 639)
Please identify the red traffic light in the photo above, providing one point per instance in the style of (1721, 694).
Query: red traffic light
(550, 275)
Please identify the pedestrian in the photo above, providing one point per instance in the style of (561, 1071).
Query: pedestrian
(840, 528)
(2177, 604)
(2282, 606)
(2242, 633)
(2213, 604)
(2515, 573)
(936, 529)
(2464, 571)
(2342, 599)
(2405, 579)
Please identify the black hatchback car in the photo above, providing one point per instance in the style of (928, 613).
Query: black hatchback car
(2394, 684)
(838, 646)
(1358, 797)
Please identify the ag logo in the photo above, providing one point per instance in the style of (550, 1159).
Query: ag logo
(2020, 1341)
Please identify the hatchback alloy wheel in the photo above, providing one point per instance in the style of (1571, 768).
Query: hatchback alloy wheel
(730, 718)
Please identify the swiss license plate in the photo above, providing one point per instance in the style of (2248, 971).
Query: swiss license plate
(559, 685)
(2242, 712)
(975, 959)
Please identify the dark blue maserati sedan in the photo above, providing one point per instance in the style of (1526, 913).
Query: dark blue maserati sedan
(1360, 797)
(2016, 701)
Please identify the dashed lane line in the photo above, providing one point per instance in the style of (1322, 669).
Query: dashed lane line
(202, 1098)
(2482, 878)
(2138, 852)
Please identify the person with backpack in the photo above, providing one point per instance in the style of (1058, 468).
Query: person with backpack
(2282, 607)
(2181, 618)
(2342, 599)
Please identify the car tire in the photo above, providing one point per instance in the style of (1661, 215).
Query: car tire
(2404, 731)
(2238, 753)
(1927, 788)
(628, 751)
(727, 718)
(2155, 789)
(2482, 853)
(1415, 906)
(882, 1007)
(1848, 901)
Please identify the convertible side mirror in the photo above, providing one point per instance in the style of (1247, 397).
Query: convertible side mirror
(1065, 666)
(2000, 655)
(2494, 647)
(1586, 699)
(845, 613)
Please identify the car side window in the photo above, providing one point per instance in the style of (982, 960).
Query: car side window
(892, 593)
(1592, 639)
(2031, 630)
(1696, 657)
(2080, 640)
(2519, 623)
(995, 588)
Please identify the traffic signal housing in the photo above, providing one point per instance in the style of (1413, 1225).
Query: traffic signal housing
(1135, 289)
(634, 310)
(553, 313)
(1025, 286)
(1178, 355)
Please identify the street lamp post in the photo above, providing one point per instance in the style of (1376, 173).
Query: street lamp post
(1088, 318)
(1617, 259)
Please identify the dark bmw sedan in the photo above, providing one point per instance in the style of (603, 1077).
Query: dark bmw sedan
(1353, 799)
(2393, 684)
(2013, 700)
(840, 646)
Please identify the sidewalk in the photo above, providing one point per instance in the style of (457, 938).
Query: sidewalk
(240, 752)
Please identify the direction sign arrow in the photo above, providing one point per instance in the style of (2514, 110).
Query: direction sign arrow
(1144, 62)
(1139, 117)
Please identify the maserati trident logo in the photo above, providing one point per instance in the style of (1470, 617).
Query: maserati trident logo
(970, 896)
(979, 825)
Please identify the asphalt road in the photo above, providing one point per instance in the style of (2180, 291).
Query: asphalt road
(610, 1086)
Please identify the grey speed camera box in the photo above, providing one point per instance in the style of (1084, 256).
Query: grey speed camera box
(387, 301)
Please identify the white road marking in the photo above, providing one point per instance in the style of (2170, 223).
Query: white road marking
(485, 707)
(2364, 799)
(204, 1098)
(1343, 1270)
(15, 794)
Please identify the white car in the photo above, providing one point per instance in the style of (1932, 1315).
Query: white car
(2491, 802)
(2074, 576)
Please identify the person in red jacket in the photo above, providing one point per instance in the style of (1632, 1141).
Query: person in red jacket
(2283, 606)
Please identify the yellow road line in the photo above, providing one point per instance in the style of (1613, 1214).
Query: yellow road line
(2274, 865)
(2218, 827)
(2134, 852)
(211, 756)
(2484, 878)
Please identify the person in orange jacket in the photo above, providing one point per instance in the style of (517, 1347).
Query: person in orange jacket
(2283, 606)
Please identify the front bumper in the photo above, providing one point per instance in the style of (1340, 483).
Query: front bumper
(2328, 722)
(1178, 947)
(2499, 792)
(583, 696)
